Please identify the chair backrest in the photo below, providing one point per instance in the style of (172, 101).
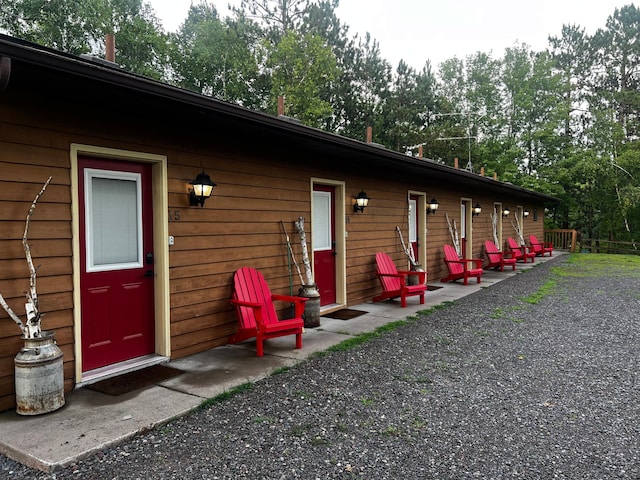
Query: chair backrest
(533, 240)
(250, 286)
(384, 264)
(492, 251)
(450, 255)
(515, 248)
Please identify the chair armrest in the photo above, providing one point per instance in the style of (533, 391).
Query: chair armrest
(246, 304)
(257, 310)
(288, 298)
(299, 302)
(398, 275)
(422, 275)
(477, 261)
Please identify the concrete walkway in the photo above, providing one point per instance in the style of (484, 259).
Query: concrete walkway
(91, 421)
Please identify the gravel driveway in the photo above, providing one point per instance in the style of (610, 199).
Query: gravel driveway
(533, 378)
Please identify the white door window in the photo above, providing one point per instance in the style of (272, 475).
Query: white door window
(113, 220)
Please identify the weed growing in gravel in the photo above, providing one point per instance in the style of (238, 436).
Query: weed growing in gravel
(303, 395)
(367, 401)
(440, 340)
(319, 441)
(391, 431)
(261, 420)
(300, 430)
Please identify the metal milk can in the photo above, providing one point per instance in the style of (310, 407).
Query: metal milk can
(39, 376)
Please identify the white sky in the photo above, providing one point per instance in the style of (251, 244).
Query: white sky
(417, 30)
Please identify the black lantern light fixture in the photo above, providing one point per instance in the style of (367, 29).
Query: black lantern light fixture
(476, 210)
(525, 212)
(433, 206)
(202, 189)
(506, 212)
(362, 200)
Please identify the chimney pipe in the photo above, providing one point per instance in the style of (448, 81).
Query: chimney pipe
(420, 151)
(495, 175)
(482, 171)
(110, 47)
(455, 163)
(280, 105)
(369, 134)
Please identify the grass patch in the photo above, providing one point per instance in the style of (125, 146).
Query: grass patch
(280, 371)
(225, 395)
(546, 289)
(365, 337)
(599, 265)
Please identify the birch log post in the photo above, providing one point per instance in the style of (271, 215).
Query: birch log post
(494, 226)
(310, 289)
(518, 228)
(308, 273)
(31, 328)
(454, 235)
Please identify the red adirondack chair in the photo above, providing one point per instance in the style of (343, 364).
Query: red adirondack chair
(498, 259)
(520, 252)
(256, 313)
(459, 267)
(394, 282)
(540, 248)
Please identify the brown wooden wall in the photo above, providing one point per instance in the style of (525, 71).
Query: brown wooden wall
(258, 185)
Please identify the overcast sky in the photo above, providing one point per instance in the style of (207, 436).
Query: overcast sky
(436, 30)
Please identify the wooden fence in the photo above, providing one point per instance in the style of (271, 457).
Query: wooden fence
(593, 245)
(562, 239)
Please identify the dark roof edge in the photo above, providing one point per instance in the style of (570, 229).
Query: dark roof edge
(112, 74)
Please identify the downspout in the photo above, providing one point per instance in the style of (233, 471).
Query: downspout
(5, 72)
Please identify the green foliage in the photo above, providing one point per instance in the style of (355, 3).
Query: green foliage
(564, 122)
(299, 66)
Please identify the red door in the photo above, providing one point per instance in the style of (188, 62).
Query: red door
(116, 280)
(324, 245)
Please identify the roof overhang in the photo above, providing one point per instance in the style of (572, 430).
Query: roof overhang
(360, 154)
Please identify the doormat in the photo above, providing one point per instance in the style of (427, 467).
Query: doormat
(345, 314)
(131, 381)
(431, 288)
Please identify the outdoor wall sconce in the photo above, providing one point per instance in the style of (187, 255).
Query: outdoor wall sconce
(202, 189)
(433, 206)
(361, 202)
(525, 213)
(476, 210)
(505, 212)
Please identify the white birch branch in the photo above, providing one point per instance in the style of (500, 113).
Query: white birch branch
(494, 224)
(290, 250)
(408, 251)
(31, 327)
(518, 229)
(305, 253)
(454, 235)
(11, 313)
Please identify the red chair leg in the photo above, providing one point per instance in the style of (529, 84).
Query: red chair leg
(298, 340)
(259, 346)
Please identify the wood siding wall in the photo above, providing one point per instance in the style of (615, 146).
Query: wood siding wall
(258, 186)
